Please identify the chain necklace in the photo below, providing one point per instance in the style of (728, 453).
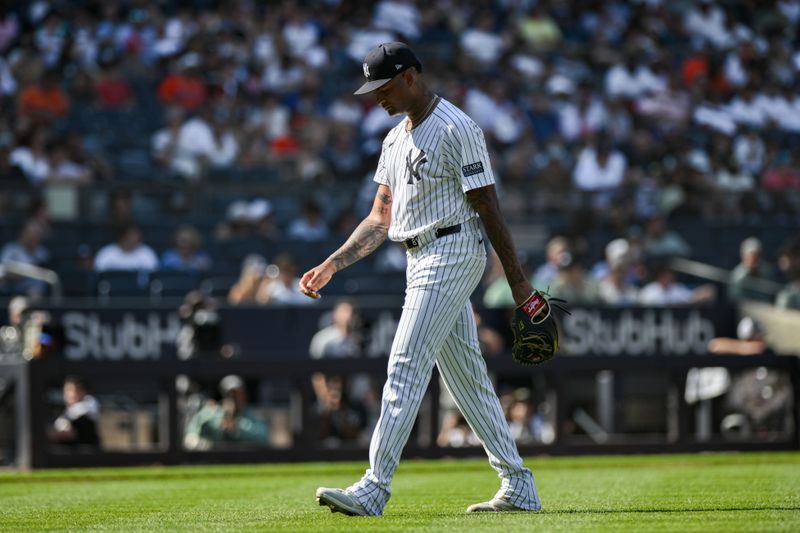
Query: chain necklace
(425, 113)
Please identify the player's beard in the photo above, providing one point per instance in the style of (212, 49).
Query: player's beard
(390, 110)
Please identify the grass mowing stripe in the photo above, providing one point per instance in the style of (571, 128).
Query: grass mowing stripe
(708, 492)
(443, 465)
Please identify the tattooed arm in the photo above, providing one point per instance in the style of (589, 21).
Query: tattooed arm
(364, 240)
(484, 201)
(369, 234)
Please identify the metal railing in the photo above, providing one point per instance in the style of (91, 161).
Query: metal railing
(34, 272)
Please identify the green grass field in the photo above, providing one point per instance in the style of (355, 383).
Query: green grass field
(706, 492)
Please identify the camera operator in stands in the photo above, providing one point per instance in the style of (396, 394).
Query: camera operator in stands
(200, 334)
(789, 262)
(227, 421)
(77, 425)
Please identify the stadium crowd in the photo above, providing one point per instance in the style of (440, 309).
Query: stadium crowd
(626, 117)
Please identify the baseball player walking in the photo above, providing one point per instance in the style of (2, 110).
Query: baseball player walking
(435, 181)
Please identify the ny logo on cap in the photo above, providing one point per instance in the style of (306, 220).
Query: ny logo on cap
(366, 70)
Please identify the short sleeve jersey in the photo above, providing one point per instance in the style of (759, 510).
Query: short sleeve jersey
(430, 168)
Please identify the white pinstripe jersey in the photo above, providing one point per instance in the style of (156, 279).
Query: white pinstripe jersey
(430, 168)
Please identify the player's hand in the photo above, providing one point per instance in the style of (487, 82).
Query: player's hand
(316, 278)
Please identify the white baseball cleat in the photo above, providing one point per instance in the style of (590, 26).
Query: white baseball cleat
(340, 502)
(495, 505)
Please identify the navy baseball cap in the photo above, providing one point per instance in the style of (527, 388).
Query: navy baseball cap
(384, 62)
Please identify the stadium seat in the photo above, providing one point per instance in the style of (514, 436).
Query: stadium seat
(218, 286)
(76, 283)
(172, 283)
(113, 283)
(376, 284)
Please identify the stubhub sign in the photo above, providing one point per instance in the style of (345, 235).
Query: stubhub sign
(102, 336)
(644, 332)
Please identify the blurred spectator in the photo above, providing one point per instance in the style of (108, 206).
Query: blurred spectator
(9, 27)
(284, 75)
(262, 217)
(236, 224)
(29, 250)
(539, 30)
(345, 223)
(749, 151)
(343, 155)
(582, 115)
(11, 334)
(67, 171)
(763, 398)
(340, 419)
(750, 267)
(520, 421)
(665, 290)
(264, 125)
(120, 208)
(616, 287)
(481, 42)
(342, 338)
(229, 421)
(632, 79)
(789, 263)
(189, 148)
(30, 155)
(455, 432)
(491, 341)
(345, 109)
(734, 187)
(311, 226)
(184, 87)
(77, 426)
(127, 252)
(45, 101)
(283, 287)
(200, 333)
(399, 16)
(187, 254)
(350, 405)
(165, 143)
(113, 90)
(599, 171)
(671, 105)
(782, 173)
(617, 252)
(247, 288)
(546, 273)
(498, 293)
(571, 282)
(391, 258)
(300, 33)
(750, 340)
(543, 121)
(222, 145)
(271, 120)
(659, 241)
(38, 211)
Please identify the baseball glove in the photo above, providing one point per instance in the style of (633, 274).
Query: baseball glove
(535, 329)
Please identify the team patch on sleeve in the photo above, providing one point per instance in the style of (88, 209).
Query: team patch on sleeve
(472, 169)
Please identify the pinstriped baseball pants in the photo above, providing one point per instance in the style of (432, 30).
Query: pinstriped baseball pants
(437, 327)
